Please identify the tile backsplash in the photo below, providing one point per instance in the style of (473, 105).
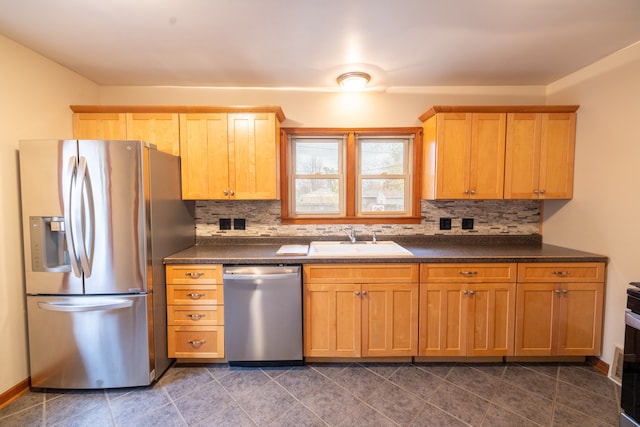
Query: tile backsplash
(491, 217)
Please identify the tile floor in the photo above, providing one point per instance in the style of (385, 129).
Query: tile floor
(339, 394)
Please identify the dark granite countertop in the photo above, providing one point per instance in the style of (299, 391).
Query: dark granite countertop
(424, 249)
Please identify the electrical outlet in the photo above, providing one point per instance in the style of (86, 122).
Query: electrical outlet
(239, 223)
(225, 223)
(467, 223)
(445, 223)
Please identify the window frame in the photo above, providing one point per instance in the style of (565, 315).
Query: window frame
(351, 174)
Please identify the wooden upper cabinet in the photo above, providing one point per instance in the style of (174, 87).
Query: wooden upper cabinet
(229, 156)
(498, 152)
(99, 126)
(253, 156)
(228, 153)
(204, 156)
(161, 129)
(464, 156)
(540, 155)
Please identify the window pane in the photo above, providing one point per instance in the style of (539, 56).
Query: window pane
(383, 195)
(382, 157)
(317, 195)
(316, 157)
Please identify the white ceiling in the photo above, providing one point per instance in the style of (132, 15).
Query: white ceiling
(308, 43)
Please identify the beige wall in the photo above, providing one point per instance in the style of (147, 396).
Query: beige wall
(36, 94)
(603, 215)
(332, 109)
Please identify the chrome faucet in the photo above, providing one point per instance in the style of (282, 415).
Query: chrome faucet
(351, 232)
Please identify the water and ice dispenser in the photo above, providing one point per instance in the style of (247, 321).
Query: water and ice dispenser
(48, 244)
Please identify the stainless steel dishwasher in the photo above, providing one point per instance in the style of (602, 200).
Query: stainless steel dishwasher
(263, 315)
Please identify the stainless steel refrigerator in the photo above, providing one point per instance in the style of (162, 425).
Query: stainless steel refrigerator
(98, 217)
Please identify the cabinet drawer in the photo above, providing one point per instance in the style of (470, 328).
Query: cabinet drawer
(561, 272)
(206, 274)
(195, 315)
(195, 341)
(468, 273)
(195, 295)
(361, 273)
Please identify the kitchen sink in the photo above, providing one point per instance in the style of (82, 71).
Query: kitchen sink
(385, 248)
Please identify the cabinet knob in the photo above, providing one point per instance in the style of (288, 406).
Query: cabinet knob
(364, 293)
(195, 296)
(536, 192)
(231, 193)
(357, 293)
(564, 291)
(465, 292)
(542, 191)
(473, 192)
(557, 291)
(472, 292)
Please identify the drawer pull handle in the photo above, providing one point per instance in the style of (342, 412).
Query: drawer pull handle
(195, 316)
(560, 273)
(468, 273)
(194, 274)
(195, 296)
(197, 343)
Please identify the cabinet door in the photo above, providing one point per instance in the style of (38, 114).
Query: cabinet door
(332, 320)
(491, 323)
(486, 174)
(204, 156)
(99, 126)
(453, 136)
(580, 320)
(389, 320)
(522, 156)
(253, 156)
(557, 155)
(536, 317)
(539, 156)
(442, 320)
(161, 129)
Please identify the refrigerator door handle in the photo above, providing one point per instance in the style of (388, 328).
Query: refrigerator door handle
(103, 305)
(83, 217)
(68, 223)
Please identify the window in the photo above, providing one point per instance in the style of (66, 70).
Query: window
(360, 175)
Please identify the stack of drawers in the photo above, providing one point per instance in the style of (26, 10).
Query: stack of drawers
(195, 311)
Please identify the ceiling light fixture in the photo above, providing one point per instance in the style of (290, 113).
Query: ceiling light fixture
(354, 80)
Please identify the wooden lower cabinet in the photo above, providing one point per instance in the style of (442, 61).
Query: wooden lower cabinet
(195, 311)
(360, 310)
(467, 309)
(559, 309)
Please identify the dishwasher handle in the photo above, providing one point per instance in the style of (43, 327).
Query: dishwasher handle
(254, 277)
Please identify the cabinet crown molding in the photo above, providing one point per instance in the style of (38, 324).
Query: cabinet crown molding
(497, 109)
(178, 109)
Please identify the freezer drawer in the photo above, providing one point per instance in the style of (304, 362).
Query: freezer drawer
(89, 342)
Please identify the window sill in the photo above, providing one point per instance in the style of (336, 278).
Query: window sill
(352, 220)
